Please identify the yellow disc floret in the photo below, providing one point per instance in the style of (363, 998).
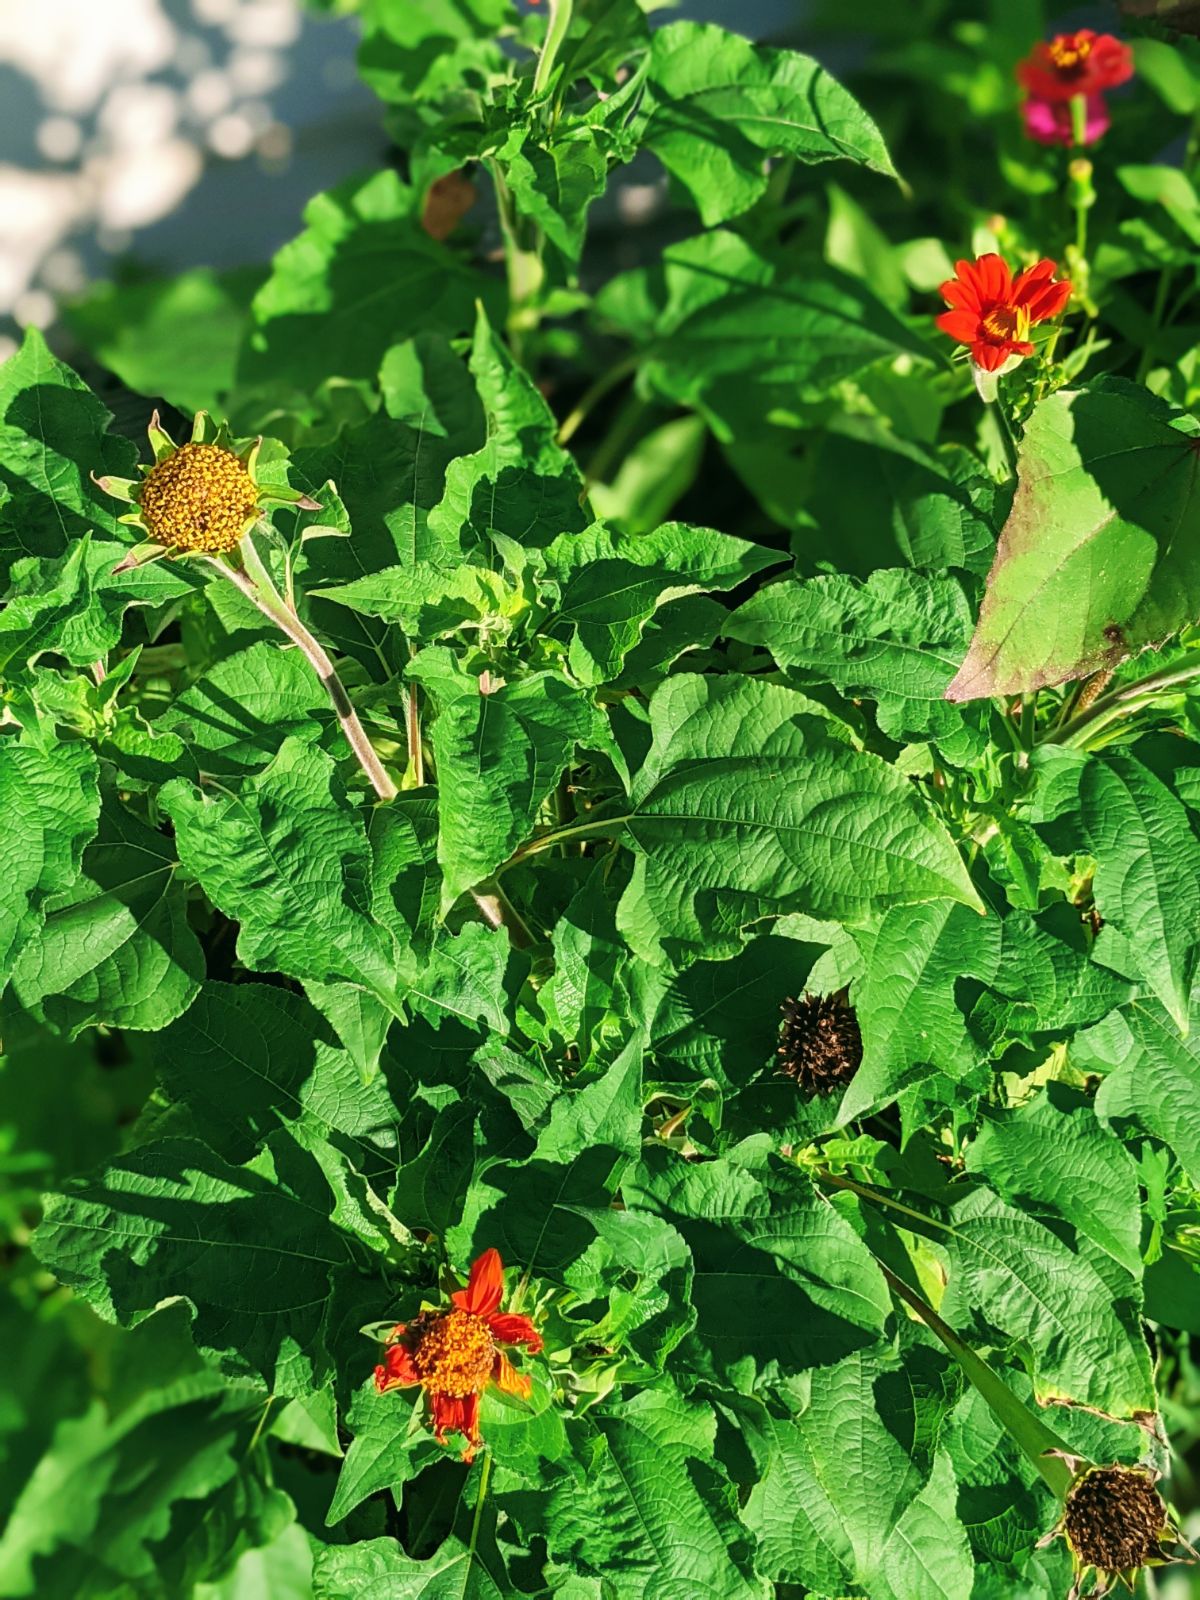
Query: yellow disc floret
(455, 1354)
(201, 497)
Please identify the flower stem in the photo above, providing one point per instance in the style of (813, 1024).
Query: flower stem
(256, 584)
(592, 396)
(1027, 1431)
(485, 1473)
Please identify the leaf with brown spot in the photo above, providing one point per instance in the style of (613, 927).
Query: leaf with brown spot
(1100, 556)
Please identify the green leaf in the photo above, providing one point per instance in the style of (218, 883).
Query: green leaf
(116, 948)
(1073, 1314)
(1147, 880)
(895, 639)
(1097, 559)
(325, 311)
(50, 804)
(73, 604)
(499, 755)
(379, 1569)
(521, 483)
(888, 1531)
(174, 337)
(1153, 1075)
(236, 716)
(1054, 1153)
(429, 601)
(780, 1276)
(421, 51)
(386, 1450)
(288, 859)
(650, 1512)
(907, 1001)
(747, 806)
(276, 1286)
(743, 338)
(554, 183)
(718, 106)
(53, 435)
(610, 586)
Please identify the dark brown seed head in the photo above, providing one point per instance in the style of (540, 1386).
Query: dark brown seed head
(820, 1045)
(1115, 1519)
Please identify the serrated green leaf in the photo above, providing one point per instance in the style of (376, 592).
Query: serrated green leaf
(895, 639)
(741, 337)
(779, 816)
(609, 586)
(379, 1569)
(116, 947)
(719, 106)
(51, 806)
(1096, 560)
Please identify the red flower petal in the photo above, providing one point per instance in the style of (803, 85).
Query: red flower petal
(458, 1414)
(960, 325)
(485, 1286)
(510, 1328)
(955, 292)
(506, 1377)
(1050, 302)
(995, 276)
(397, 1371)
(989, 356)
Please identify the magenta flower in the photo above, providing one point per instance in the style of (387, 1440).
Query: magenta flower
(1049, 121)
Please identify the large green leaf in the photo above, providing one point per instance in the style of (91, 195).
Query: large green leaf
(609, 586)
(744, 337)
(1053, 1152)
(50, 804)
(53, 435)
(288, 859)
(379, 1569)
(419, 51)
(116, 947)
(719, 106)
(1147, 879)
(499, 754)
(779, 1275)
(887, 1529)
(1098, 557)
(327, 311)
(895, 639)
(748, 806)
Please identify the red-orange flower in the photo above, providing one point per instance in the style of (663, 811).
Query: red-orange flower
(1075, 63)
(455, 1354)
(993, 313)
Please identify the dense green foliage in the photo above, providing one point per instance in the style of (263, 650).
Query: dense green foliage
(703, 640)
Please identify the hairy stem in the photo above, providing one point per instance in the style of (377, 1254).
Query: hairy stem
(1130, 697)
(256, 584)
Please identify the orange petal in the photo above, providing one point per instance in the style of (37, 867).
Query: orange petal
(397, 1370)
(509, 1328)
(506, 1377)
(485, 1286)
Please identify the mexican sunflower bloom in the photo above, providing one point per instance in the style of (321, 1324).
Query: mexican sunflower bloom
(454, 1354)
(1070, 64)
(991, 312)
(1115, 1525)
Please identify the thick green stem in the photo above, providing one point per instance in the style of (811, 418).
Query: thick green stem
(592, 396)
(1028, 1432)
(485, 1473)
(1130, 697)
(256, 584)
(523, 264)
(609, 826)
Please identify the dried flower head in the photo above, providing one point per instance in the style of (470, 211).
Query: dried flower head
(1115, 1523)
(454, 1353)
(198, 498)
(820, 1044)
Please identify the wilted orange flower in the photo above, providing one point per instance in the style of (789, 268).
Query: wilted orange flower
(455, 1354)
(992, 313)
(1075, 63)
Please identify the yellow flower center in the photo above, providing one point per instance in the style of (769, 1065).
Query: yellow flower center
(199, 498)
(455, 1354)
(1003, 323)
(1069, 51)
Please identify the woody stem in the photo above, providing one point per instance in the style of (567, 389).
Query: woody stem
(256, 584)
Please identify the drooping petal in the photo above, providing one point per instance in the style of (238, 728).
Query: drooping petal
(458, 1414)
(507, 1379)
(991, 357)
(960, 325)
(485, 1286)
(509, 1328)
(397, 1370)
